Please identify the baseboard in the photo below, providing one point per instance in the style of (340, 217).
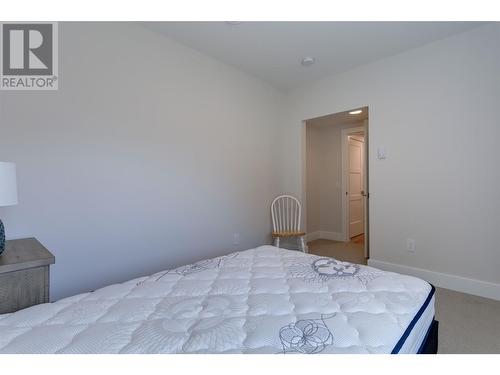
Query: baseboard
(313, 236)
(460, 284)
(321, 234)
(334, 236)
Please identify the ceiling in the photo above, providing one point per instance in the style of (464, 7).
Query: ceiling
(273, 50)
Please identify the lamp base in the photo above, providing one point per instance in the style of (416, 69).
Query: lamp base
(2, 237)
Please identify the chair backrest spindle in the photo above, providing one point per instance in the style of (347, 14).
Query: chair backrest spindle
(285, 213)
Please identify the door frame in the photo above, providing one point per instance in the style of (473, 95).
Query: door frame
(345, 203)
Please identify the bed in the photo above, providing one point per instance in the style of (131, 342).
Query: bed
(262, 300)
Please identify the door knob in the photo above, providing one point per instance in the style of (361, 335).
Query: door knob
(363, 193)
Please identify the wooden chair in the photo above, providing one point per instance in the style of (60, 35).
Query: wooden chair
(285, 212)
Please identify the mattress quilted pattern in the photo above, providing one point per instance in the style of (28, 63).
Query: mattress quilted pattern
(263, 300)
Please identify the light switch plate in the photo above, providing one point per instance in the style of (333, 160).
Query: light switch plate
(381, 153)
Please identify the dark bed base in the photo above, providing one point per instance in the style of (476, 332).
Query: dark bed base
(430, 345)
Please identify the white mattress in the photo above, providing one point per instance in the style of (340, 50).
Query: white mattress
(263, 300)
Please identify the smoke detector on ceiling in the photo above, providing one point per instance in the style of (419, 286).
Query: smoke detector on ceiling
(308, 61)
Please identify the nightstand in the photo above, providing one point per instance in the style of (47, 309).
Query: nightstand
(24, 274)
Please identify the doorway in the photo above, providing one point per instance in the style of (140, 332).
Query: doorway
(336, 185)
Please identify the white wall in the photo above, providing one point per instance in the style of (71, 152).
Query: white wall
(436, 109)
(150, 155)
(324, 175)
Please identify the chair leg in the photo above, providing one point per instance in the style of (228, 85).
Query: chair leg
(277, 241)
(302, 244)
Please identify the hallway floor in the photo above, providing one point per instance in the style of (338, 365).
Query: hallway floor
(352, 251)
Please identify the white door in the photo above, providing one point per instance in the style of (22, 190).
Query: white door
(355, 186)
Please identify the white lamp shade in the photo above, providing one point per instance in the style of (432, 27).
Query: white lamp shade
(8, 185)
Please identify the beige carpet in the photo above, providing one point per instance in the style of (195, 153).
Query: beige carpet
(467, 324)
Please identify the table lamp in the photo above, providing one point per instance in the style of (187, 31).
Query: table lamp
(8, 193)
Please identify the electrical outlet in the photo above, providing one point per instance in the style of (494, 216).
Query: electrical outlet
(236, 239)
(410, 245)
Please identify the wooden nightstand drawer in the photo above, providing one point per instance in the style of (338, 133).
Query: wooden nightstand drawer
(21, 289)
(24, 275)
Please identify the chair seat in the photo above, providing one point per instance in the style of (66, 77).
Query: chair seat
(289, 234)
